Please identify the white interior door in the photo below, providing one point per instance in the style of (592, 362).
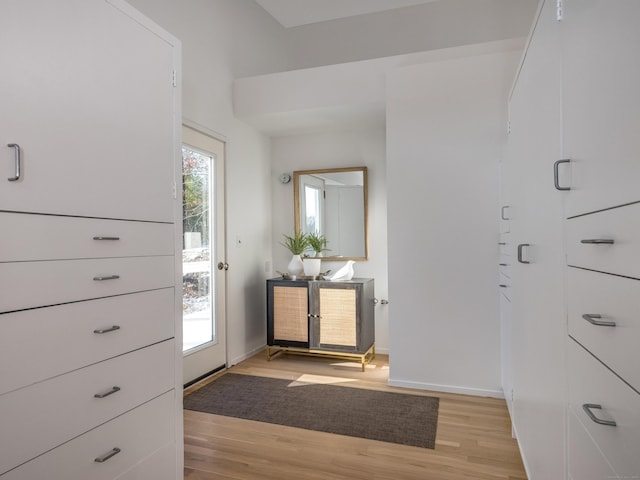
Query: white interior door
(203, 248)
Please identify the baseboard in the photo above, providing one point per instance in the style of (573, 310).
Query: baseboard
(478, 392)
(524, 459)
(235, 361)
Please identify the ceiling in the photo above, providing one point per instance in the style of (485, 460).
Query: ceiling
(293, 13)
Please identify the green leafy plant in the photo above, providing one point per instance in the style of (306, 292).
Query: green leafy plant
(296, 244)
(318, 243)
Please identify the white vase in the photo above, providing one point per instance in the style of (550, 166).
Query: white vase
(312, 266)
(295, 266)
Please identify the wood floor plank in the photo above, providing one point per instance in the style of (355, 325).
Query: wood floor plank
(473, 440)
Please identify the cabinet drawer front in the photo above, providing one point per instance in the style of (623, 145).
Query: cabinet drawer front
(590, 382)
(47, 237)
(47, 414)
(614, 299)
(586, 461)
(619, 225)
(37, 284)
(142, 433)
(78, 334)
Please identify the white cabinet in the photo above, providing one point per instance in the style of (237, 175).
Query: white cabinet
(91, 108)
(89, 360)
(576, 271)
(533, 361)
(601, 106)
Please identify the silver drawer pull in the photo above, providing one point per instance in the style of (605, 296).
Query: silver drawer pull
(106, 238)
(504, 264)
(502, 216)
(520, 248)
(106, 394)
(106, 277)
(107, 456)
(17, 161)
(587, 407)
(107, 330)
(598, 241)
(591, 318)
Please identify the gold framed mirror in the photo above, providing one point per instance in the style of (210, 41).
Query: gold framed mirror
(333, 202)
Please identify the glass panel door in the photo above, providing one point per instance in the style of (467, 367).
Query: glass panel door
(198, 312)
(203, 242)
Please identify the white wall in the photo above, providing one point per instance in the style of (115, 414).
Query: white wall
(430, 26)
(446, 123)
(222, 40)
(329, 150)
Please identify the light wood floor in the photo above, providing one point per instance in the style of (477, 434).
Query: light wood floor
(473, 439)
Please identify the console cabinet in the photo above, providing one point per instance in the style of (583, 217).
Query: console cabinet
(321, 318)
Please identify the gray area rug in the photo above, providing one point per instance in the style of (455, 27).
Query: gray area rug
(386, 416)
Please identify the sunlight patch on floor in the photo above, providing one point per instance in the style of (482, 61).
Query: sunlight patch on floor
(308, 379)
(353, 365)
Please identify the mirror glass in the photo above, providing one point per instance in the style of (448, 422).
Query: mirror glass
(333, 203)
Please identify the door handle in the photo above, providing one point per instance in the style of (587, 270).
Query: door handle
(17, 162)
(587, 407)
(103, 458)
(592, 318)
(520, 248)
(598, 241)
(556, 175)
(223, 266)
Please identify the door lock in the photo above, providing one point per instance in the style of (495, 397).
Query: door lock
(223, 266)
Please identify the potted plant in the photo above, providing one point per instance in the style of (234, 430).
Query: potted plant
(318, 243)
(296, 244)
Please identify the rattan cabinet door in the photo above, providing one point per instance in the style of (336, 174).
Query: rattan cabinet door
(288, 313)
(341, 315)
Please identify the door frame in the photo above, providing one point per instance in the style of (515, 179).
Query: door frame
(201, 361)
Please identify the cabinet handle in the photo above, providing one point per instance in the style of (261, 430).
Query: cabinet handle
(106, 238)
(106, 330)
(106, 394)
(107, 277)
(114, 451)
(503, 264)
(502, 213)
(502, 243)
(556, 176)
(17, 161)
(503, 286)
(598, 241)
(587, 408)
(590, 317)
(520, 248)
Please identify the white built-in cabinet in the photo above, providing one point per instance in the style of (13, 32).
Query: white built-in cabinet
(571, 363)
(90, 371)
(535, 327)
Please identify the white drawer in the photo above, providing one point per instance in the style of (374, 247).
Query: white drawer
(147, 432)
(585, 460)
(44, 415)
(619, 225)
(38, 284)
(66, 335)
(617, 300)
(48, 237)
(590, 382)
